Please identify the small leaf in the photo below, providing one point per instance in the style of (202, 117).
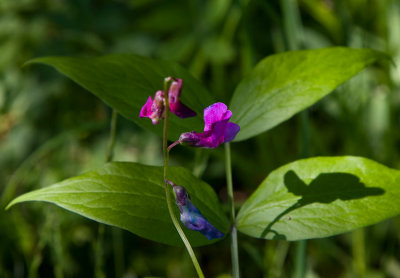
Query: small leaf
(132, 196)
(125, 81)
(321, 197)
(283, 84)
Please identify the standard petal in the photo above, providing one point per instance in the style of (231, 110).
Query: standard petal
(228, 115)
(146, 109)
(230, 132)
(214, 113)
(175, 91)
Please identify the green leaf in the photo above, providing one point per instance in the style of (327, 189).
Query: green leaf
(283, 84)
(125, 81)
(132, 196)
(321, 197)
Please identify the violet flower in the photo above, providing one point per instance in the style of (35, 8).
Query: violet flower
(191, 217)
(154, 109)
(217, 129)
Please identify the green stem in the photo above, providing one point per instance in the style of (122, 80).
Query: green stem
(113, 131)
(294, 38)
(116, 232)
(305, 134)
(118, 244)
(301, 263)
(167, 191)
(98, 265)
(100, 240)
(118, 248)
(234, 241)
(358, 250)
(292, 24)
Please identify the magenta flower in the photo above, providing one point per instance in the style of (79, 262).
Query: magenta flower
(217, 129)
(155, 109)
(191, 217)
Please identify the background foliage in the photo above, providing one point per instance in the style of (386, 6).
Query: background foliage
(51, 129)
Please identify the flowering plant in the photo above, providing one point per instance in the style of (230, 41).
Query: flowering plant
(304, 199)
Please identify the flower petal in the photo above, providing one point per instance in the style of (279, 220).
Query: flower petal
(195, 139)
(214, 113)
(191, 217)
(177, 107)
(181, 110)
(210, 232)
(218, 132)
(231, 130)
(175, 91)
(146, 109)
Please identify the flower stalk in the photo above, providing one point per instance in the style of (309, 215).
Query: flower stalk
(167, 190)
(234, 241)
(113, 131)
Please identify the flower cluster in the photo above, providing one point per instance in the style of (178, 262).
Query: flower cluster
(155, 109)
(191, 217)
(217, 130)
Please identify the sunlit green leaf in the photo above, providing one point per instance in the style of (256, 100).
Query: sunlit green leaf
(125, 81)
(283, 84)
(132, 196)
(320, 197)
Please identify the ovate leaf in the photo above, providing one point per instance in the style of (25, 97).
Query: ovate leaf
(132, 196)
(125, 81)
(283, 84)
(320, 197)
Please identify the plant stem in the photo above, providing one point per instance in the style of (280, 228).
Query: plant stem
(113, 131)
(234, 241)
(99, 252)
(167, 192)
(358, 250)
(301, 263)
(100, 240)
(294, 38)
(292, 24)
(301, 251)
(118, 248)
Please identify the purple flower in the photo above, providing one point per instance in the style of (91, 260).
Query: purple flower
(217, 129)
(191, 217)
(154, 109)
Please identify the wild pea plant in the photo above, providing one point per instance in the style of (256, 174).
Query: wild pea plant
(309, 198)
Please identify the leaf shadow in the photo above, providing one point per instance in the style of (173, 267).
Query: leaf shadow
(324, 189)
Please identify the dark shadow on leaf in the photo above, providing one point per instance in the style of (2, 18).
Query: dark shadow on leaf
(325, 189)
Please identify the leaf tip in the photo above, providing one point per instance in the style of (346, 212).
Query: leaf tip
(30, 62)
(12, 203)
(38, 60)
(9, 205)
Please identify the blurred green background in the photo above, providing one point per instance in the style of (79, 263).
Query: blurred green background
(51, 129)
